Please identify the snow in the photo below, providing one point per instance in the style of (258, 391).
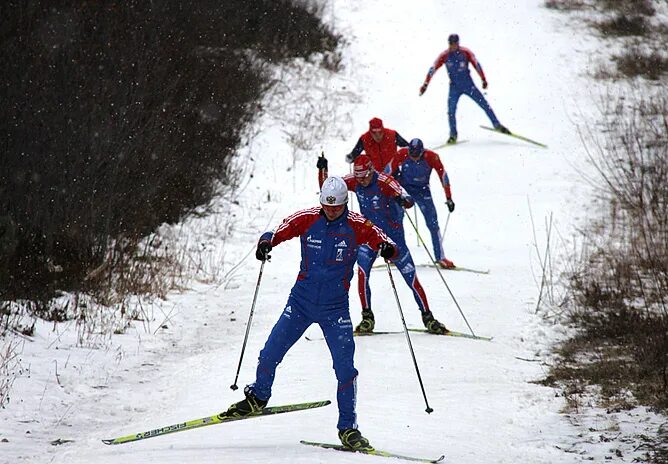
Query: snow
(485, 407)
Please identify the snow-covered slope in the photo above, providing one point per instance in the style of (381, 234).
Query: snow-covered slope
(485, 409)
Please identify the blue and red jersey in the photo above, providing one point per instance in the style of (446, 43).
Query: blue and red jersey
(378, 200)
(414, 173)
(457, 64)
(328, 252)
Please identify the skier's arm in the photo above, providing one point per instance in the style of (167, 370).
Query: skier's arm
(357, 149)
(440, 60)
(476, 64)
(399, 140)
(372, 235)
(434, 161)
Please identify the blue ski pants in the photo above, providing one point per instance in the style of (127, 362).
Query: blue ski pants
(337, 328)
(475, 94)
(422, 197)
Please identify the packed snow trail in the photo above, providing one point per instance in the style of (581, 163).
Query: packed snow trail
(485, 409)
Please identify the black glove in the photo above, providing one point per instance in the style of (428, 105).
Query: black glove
(322, 162)
(484, 84)
(263, 249)
(451, 205)
(423, 88)
(406, 201)
(349, 158)
(386, 250)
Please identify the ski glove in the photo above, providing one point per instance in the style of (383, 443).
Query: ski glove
(386, 250)
(349, 158)
(322, 162)
(484, 84)
(450, 204)
(423, 88)
(263, 249)
(406, 201)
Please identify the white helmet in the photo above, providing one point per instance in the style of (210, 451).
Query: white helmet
(334, 192)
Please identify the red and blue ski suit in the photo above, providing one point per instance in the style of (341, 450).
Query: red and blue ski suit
(320, 295)
(413, 175)
(461, 83)
(378, 202)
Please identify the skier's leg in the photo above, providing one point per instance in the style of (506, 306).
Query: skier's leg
(287, 330)
(338, 331)
(479, 98)
(453, 97)
(426, 204)
(365, 259)
(406, 266)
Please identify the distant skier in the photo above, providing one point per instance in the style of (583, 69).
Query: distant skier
(414, 169)
(382, 201)
(330, 236)
(380, 144)
(456, 60)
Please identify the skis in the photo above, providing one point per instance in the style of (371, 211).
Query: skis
(451, 333)
(516, 136)
(456, 334)
(456, 268)
(446, 144)
(212, 420)
(371, 451)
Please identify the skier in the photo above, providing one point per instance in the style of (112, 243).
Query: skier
(330, 237)
(456, 59)
(380, 144)
(382, 201)
(414, 169)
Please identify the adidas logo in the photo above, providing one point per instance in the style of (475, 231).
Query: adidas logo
(341, 244)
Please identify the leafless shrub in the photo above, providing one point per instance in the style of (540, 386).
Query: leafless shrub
(622, 25)
(635, 62)
(620, 290)
(565, 5)
(10, 366)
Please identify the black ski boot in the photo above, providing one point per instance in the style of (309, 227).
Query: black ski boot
(368, 322)
(432, 325)
(503, 129)
(353, 439)
(452, 140)
(246, 407)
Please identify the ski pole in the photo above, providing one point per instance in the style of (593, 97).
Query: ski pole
(248, 326)
(441, 275)
(408, 338)
(445, 229)
(416, 225)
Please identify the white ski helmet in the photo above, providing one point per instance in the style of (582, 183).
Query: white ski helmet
(334, 192)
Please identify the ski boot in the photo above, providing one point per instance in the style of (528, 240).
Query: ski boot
(432, 325)
(368, 322)
(446, 263)
(452, 140)
(353, 439)
(503, 129)
(246, 407)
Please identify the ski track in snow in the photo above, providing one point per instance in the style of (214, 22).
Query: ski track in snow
(484, 408)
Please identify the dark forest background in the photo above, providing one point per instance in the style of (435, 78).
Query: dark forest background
(119, 116)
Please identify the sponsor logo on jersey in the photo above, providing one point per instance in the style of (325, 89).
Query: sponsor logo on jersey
(341, 244)
(339, 254)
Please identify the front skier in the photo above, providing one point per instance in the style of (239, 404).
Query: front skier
(456, 60)
(330, 236)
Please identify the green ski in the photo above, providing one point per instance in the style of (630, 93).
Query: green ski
(516, 136)
(212, 420)
(371, 451)
(456, 334)
(446, 144)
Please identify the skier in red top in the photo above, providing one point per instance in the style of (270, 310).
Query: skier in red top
(380, 143)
